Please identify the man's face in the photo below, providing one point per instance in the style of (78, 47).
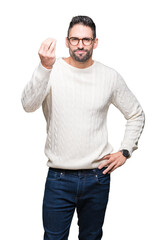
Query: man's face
(80, 52)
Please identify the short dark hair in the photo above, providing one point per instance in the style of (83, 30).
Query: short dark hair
(84, 20)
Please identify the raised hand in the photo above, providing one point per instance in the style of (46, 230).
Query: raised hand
(47, 53)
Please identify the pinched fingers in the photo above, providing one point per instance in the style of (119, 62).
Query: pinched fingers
(45, 46)
(47, 52)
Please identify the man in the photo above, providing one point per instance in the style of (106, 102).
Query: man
(75, 94)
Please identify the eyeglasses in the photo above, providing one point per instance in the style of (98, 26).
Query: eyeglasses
(75, 41)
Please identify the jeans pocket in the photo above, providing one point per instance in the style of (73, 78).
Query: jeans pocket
(54, 175)
(103, 179)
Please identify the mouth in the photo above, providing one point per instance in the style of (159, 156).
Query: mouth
(80, 51)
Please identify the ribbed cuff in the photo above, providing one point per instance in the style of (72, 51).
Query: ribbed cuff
(43, 69)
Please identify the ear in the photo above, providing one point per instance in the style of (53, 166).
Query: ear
(95, 44)
(67, 42)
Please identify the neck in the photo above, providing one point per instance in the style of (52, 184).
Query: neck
(77, 64)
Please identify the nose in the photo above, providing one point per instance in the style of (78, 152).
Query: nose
(80, 44)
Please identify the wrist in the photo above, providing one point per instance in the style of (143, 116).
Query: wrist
(46, 66)
(125, 153)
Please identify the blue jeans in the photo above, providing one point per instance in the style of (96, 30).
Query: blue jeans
(87, 191)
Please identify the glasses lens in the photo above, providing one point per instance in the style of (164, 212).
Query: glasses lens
(74, 41)
(87, 41)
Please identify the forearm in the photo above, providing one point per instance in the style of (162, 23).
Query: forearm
(129, 106)
(133, 130)
(36, 90)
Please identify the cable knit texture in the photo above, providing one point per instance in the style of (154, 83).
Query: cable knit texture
(75, 103)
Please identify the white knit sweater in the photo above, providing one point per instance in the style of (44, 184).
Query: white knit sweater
(75, 103)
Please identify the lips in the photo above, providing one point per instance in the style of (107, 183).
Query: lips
(80, 52)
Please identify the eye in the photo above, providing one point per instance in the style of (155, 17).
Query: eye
(73, 41)
(87, 41)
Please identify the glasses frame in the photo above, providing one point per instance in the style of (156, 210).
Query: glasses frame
(82, 39)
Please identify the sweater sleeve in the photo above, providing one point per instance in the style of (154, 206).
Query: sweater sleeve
(36, 90)
(126, 102)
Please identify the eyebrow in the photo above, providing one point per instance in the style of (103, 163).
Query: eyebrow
(82, 37)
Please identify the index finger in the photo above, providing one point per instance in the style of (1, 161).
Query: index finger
(52, 46)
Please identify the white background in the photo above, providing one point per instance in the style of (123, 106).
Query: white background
(132, 40)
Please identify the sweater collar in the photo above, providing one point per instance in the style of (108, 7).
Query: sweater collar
(88, 69)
